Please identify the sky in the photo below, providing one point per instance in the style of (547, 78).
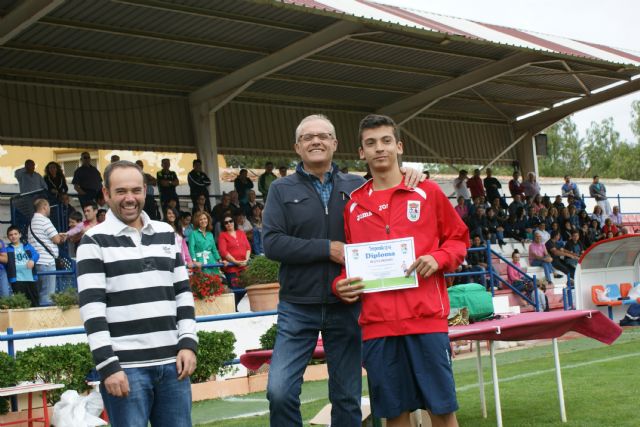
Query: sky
(613, 23)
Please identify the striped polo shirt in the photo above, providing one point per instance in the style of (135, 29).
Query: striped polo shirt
(44, 229)
(135, 298)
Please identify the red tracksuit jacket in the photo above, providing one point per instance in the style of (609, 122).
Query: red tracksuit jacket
(437, 231)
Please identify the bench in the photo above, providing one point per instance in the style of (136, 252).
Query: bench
(616, 293)
(29, 389)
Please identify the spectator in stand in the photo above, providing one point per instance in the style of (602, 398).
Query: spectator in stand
(585, 236)
(225, 204)
(167, 183)
(242, 185)
(44, 237)
(200, 204)
(243, 224)
(577, 202)
(478, 224)
(595, 229)
(202, 245)
(247, 208)
(115, 158)
(515, 277)
(185, 224)
(234, 201)
(557, 203)
(495, 227)
(75, 233)
(565, 231)
(570, 188)
(256, 221)
(542, 229)
(598, 191)
(515, 205)
(574, 245)
(150, 205)
(28, 179)
(460, 186)
(584, 219)
(181, 243)
(5, 289)
(536, 204)
(573, 217)
(477, 260)
(20, 260)
(553, 215)
(492, 185)
(265, 180)
(56, 182)
(462, 208)
(87, 180)
(475, 185)
(65, 204)
(598, 215)
(101, 215)
(199, 184)
(234, 248)
(282, 172)
(539, 257)
(616, 218)
(515, 186)
(560, 255)
(501, 212)
(530, 186)
(90, 211)
(609, 227)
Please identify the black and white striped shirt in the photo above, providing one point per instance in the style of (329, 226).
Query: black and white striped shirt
(135, 298)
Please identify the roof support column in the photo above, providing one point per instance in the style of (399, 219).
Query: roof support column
(207, 144)
(527, 156)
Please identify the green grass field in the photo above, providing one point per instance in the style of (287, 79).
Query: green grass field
(600, 384)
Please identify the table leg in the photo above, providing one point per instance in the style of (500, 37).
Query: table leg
(496, 385)
(556, 358)
(45, 409)
(483, 401)
(30, 408)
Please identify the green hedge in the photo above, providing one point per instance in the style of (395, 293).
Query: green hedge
(214, 348)
(7, 378)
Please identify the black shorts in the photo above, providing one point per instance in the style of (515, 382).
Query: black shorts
(410, 372)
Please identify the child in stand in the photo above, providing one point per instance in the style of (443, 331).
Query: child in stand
(517, 279)
(21, 261)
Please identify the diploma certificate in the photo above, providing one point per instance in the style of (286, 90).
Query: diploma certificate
(382, 265)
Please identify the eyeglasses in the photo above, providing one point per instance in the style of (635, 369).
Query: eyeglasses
(308, 137)
(229, 222)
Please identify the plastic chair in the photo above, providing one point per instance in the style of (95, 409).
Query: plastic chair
(608, 304)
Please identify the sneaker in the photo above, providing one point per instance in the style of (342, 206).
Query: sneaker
(626, 321)
(557, 276)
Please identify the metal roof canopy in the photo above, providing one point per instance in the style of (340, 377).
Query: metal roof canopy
(149, 74)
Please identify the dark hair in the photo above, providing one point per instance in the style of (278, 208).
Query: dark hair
(515, 251)
(101, 211)
(185, 214)
(554, 233)
(233, 219)
(120, 164)
(59, 172)
(13, 227)
(91, 203)
(373, 121)
(196, 161)
(76, 216)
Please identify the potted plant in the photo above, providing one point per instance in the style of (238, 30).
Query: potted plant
(260, 279)
(208, 297)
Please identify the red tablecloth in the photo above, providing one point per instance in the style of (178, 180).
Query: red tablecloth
(536, 325)
(521, 327)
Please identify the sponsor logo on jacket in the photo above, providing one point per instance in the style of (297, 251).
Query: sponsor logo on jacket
(363, 215)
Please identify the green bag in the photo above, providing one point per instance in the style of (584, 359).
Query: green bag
(473, 296)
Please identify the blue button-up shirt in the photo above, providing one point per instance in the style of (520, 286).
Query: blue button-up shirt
(323, 188)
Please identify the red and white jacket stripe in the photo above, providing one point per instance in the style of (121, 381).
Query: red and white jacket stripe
(437, 230)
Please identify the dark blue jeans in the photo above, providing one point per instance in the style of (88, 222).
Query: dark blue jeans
(298, 327)
(155, 395)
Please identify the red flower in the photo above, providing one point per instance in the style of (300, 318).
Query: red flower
(205, 286)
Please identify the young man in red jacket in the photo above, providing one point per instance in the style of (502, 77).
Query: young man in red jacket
(406, 346)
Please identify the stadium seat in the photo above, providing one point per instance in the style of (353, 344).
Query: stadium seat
(608, 304)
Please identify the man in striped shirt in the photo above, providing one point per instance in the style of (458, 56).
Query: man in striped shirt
(44, 237)
(137, 308)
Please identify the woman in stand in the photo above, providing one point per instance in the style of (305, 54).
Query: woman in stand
(171, 218)
(234, 248)
(56, 182)
(256, 221)
(202, 245)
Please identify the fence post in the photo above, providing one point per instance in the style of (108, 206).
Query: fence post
(12, 352)
(535, 293)
(490, 266)
(619, 203)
